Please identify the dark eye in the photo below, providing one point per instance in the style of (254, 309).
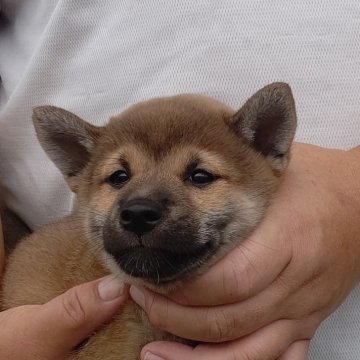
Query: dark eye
(201, 178)
(118, 178)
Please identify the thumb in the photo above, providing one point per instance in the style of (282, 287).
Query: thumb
(71, 317)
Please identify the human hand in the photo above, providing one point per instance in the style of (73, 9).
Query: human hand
(52, 330)
(267, 297)
(2, 250)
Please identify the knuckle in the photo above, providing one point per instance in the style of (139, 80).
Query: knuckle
(215, 332)
(241, 273)
(156, 317)
(245, 356)
(220, 327)
(74, 311)
(307, 327)
(235, 355)
(260, 353)
(240, 285)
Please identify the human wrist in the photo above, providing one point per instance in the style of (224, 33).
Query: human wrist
(339, 168)
(355, 171)
(335, 175)
(356, 151)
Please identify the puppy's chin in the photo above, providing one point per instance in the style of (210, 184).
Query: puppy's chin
(156, 267)
(158, 258)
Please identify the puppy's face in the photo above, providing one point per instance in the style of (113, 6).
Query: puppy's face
(170, 185)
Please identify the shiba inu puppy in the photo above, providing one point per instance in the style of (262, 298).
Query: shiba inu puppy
(164, 190)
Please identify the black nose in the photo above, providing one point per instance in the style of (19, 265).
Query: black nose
(140, 216)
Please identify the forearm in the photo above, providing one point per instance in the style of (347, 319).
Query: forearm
(356, 149)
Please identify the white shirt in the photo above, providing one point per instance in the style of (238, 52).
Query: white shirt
(95, 58)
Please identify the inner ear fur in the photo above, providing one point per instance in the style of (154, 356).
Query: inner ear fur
(67, 139)
(267, 122)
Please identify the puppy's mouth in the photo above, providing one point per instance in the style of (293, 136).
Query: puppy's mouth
(166, 254)
(160, 266)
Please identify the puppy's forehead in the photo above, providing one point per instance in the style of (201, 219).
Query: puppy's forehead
(160, 124)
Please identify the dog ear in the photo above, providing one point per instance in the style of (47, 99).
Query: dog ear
(267, 122)
(67, 139)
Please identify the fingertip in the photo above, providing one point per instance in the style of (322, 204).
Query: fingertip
(138, 295)
(150, 356)
(110, 288)
(165, 350)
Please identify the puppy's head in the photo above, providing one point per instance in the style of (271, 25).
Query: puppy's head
(170, 185)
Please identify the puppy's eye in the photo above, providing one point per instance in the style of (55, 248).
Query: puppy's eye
(201, 177)
(118, 178)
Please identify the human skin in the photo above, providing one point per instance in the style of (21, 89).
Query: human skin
(267, 297)
(2, 251)
(52, 330)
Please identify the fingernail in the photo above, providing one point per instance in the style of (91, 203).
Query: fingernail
(137, 296)
(110, 288)
(150, 356)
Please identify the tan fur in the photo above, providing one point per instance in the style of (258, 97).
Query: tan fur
(68, 262)
(157, 138)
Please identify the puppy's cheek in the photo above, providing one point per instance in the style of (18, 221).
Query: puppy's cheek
(113, 267)
(95, 221)
(247, 214)
(102, 200)
(231, 224)
(94, 228)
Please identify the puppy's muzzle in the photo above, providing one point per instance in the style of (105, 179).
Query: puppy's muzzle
(141, 216)
(148, 241)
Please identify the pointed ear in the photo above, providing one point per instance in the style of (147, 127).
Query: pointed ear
(67, 139)
(267, 121)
